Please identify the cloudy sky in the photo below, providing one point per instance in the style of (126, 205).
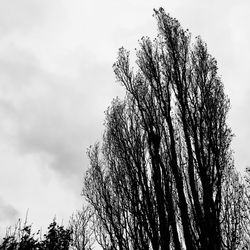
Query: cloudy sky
(56, 81)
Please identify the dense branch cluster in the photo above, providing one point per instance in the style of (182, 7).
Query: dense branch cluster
(163, 177)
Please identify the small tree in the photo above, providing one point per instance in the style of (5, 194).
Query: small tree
(56, 238)
(233, 211)
(82, 233)
(22, 238)
(160, 178)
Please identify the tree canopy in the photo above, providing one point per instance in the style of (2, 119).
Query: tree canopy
(163, 177)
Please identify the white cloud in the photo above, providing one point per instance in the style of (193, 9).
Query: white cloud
(21, 17)
(8, 213)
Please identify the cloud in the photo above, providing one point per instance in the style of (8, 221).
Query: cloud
(8, 213)
(47, 122)
(53, 116)
(21, 16)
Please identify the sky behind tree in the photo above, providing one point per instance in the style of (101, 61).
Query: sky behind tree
(56, 81)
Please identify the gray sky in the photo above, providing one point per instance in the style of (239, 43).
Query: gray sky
(56, 81)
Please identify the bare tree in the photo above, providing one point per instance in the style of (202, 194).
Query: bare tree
(159, 180)
(233, 210)
(82, 233)
(245, 212)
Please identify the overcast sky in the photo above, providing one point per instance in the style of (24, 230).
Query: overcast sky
(56, 81)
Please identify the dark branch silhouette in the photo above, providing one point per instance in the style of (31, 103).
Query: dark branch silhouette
(164, 177)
